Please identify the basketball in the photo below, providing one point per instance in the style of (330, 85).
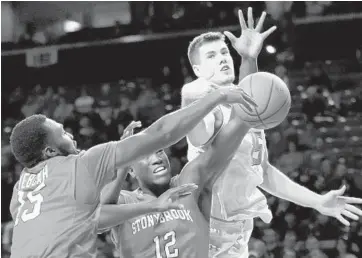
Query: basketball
(272, 96)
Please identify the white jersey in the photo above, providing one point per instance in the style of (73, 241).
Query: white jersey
(236, 199)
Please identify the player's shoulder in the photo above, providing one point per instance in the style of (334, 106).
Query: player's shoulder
(175, 181)
(126, 196)
(197, 86)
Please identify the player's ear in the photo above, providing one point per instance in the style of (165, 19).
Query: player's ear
(50, 152)
(196, 69)
(131, 172)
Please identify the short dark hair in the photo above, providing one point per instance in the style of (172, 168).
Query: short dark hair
(198, 41)
(28, 139)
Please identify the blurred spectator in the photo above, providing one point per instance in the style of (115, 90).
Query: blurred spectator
(84, 103)
(325, 228)
(87, 133)
(318, 76)
(316, 8)
(106, 98)
(150, 106)
(34, 103)
(63, 110)
(16, 100)
(314, 104)
(289, 253)
(293, 158)
(109, 131)
(27, 38)
(308, 136)
(127, 111)
(312, 249)
(257, 248)
(281, 72)
(271, 240)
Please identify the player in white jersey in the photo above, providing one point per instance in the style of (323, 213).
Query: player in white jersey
(236, 198)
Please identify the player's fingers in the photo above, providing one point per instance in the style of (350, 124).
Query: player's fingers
(250, 18)
(242, 21)
(176, 206)
(134, 124)
(176, 191)
(230, 36)
(266, 34)
(350, 199)
(182, 195)
(353, 209)
(249, 99)
(246, 105)
(259, 26)
(350, 215)
(343, 220)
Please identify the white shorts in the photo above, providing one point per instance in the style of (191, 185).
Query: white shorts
(229, 239)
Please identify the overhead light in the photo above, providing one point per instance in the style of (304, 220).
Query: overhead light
(270, 49)
(71, 26)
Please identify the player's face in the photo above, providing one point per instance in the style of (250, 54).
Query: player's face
(154, 170)
(59, 139)
(215, 63)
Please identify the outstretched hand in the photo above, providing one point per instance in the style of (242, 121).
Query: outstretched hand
(251, 40)
(128, 131)
(237, 95)
(170, 198)
(336, 205)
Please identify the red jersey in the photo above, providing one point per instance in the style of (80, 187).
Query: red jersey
(173, 233)
(55, 205)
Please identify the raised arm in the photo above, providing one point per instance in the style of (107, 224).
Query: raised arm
(333, 203)
(248, 46)
(205, 169)
(250, 42)
(103, 160)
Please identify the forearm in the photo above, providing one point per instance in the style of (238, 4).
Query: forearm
(248, 66)
(166, 131)
(278, 184)
(110, 192)
(174, 126)
(113, 215)
(223, 148)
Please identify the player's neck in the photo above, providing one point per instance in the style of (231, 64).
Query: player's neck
(222, 84)
(155, 190)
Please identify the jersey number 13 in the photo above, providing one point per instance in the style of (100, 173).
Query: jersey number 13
(170, 237)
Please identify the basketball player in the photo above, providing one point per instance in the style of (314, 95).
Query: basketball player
(236, 199)
(182, 233)
(55, 203)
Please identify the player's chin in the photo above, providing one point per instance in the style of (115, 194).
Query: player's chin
(162, 180)
(227, 78)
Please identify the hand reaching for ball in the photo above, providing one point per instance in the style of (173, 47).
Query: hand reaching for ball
(237, 95)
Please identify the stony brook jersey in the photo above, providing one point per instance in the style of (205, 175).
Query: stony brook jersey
(173, 233)
(235, 196)
(49, 222)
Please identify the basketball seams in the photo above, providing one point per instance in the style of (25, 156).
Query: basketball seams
(285, 101)
(269, 98)
(257, 118)
(251, 93)
(245, 110)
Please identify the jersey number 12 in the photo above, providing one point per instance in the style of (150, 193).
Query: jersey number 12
(35, 199)
(171, 237)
